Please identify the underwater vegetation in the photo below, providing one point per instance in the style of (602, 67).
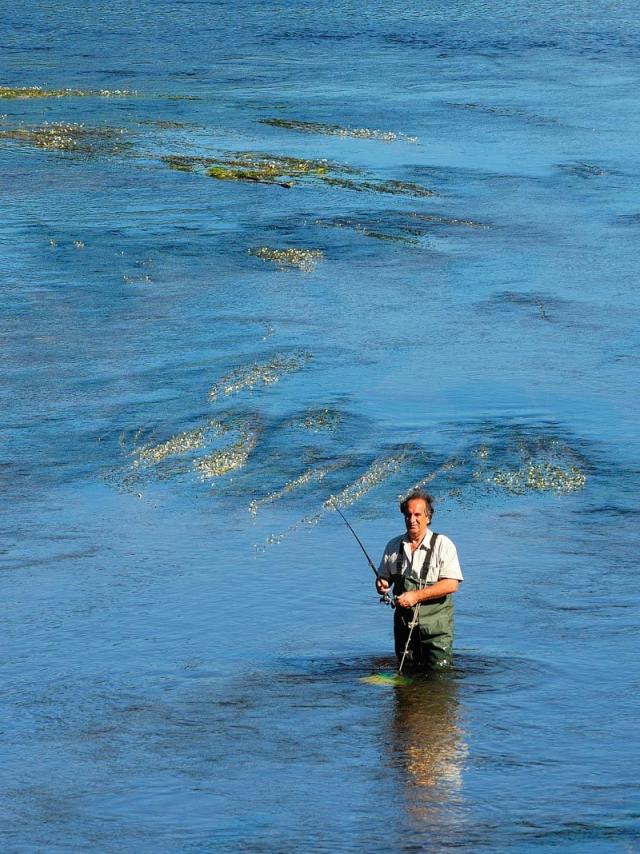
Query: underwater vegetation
(542, 476)
(582, 170)
(182, 450)
(68, 137)
(178, 455)
(253, 166)
(380, 470)
(309, 476)
(14, 92)
(526, 464)
(337, 130)
(260, 373)
(181, 443)
(395, 188)
(507, 112)
(305, 260)
(285, 171)
(316, 420)
(398, 226)
(231, 457)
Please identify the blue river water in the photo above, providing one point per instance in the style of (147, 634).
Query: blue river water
(257, 258)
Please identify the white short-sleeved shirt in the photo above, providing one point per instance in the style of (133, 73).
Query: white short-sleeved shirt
(443, 563)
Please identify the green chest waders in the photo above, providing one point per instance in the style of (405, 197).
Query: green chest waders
(431, 646)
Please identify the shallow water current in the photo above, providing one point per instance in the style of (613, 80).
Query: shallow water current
(262, 260)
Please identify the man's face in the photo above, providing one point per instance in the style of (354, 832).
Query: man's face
(416, 518)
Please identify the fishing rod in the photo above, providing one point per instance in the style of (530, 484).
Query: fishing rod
(385, 598)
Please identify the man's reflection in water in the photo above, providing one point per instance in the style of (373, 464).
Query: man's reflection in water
(428, 742)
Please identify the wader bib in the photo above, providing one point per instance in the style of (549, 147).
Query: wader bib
(431, 645)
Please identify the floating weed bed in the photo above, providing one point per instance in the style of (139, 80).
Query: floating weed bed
(181, 443)
(229, 458)
(528, 465)
(400, 227)
(313, 475)
(16, 92)
(286, 171)
(437, 219)
(157, 460)
(540, 477)
(68, 137)
(253, 167)
(380, 470)
(384, 231)
(304, 259)
(395, 188)
(317, 420)
(337, 130)
(259, 373)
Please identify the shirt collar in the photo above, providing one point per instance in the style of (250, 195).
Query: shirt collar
(425, 542)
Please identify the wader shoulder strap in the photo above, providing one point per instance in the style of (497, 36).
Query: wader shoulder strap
(427, 560)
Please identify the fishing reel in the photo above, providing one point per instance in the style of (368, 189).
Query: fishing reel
(387, 599)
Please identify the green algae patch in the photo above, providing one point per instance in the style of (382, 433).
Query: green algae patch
(68, 137)
(256, 167)
(286, 171)
(181, 443)
(338, 130)
(182, 163)
(544, 465)
(540, 477)
(410, 228)
(193, 451)
(26, 92)
(268, 168)
(229, 458)
(305, 260)
(257, 374)
(313, 475)
(380, 470)
(318, 420)
(395, 188)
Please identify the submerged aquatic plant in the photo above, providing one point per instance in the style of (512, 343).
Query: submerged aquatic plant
(540, 477)
(181, 443)
(395, 188)
(286, 171)
(229, 458)
(380, 470)
(338, 130)
(397, 226)
(523, 465)
(318, 419)
(151, 457)
(253, 167)
(259, 373)
(15, 92)
(304, 259)
(68, 137)
(312, 475)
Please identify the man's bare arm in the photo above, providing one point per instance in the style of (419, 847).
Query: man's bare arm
(434, 591)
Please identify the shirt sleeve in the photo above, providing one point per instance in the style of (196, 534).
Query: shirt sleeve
(448, 563)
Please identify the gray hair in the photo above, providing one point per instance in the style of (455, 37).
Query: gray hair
(418, 493)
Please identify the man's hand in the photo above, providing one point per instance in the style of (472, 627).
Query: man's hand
(382, 586)
(407, 600)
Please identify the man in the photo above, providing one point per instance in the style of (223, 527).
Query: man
(425, 572)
